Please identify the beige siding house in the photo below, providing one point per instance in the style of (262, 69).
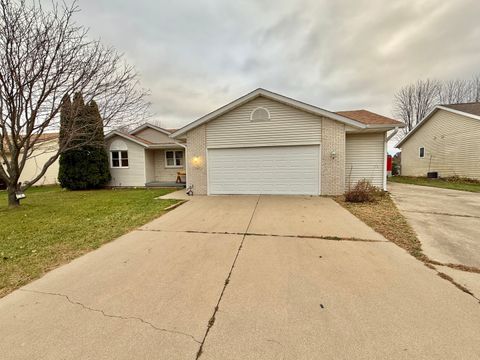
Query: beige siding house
(266, 143)
(146, 156)
(446, 142)
(35, 162)
(46, 146)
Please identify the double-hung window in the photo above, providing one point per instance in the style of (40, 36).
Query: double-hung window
(174, 158)
(119, 159)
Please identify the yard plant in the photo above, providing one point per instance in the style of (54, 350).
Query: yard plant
(53, 226)
(85, 166)
(363, 191)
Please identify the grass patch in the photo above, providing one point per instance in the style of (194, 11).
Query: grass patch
(383, 216)
(453, 183)
(54, 226)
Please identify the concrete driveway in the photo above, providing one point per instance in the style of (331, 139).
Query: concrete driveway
(252, 277)
(447, 223)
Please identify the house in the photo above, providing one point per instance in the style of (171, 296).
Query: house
(46, 146)
(446, 141)
(261, 143)
(266, 143)
(145, 156)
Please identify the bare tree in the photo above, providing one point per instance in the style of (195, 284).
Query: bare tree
(45, 57)
(474, 89)
(413, 102)
(454, 92)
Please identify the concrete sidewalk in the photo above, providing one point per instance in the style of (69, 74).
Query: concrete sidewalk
(194, 279)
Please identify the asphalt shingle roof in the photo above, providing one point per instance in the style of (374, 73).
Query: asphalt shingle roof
(368, 117)
(470, 108)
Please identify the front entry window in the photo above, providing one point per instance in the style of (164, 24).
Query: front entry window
(174, 158)
(119, 159)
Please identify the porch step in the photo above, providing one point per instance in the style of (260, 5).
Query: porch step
(165, 184)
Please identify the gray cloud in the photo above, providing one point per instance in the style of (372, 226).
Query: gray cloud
(196, 56)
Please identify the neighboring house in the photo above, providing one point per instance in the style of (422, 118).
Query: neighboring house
(446, 141)
(45, 147)
(266, 143)
(145, 156)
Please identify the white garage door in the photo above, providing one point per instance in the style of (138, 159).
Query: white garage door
(286, 170)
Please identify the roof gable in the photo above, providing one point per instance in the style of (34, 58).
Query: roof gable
(130, 137)
(135, 136)
(449, 108)
(153, 136)
(151, 126)
(272, 96)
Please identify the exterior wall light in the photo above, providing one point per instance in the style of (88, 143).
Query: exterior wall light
(197, 162)
(333, 154)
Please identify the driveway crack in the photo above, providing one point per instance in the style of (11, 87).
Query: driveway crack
(442, 213)
(88, 308)
(318, 237)
(211, 321)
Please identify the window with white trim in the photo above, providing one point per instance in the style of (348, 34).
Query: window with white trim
(174, 158)
(119, 158)
(421, 152)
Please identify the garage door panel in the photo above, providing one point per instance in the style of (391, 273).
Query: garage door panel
(269, 170)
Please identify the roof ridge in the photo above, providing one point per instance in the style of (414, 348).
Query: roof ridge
(462, 103)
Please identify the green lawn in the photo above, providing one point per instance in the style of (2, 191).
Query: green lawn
(447, 183)
(53, 226)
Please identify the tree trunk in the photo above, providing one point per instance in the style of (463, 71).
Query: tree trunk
(12, 197)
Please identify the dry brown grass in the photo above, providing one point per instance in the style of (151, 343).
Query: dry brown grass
(383, 216)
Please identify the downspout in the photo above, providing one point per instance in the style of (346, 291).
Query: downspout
(387, 139)
(395, 131)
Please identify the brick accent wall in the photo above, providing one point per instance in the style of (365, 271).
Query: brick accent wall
(332, 170)
(196, 148)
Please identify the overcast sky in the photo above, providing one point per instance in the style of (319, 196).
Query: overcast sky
(196, 56)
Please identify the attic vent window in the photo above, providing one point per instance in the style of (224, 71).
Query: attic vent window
(260, 114)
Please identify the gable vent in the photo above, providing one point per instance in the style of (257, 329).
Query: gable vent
(260, 114)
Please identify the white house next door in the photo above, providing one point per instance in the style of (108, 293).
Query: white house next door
(281, 170)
